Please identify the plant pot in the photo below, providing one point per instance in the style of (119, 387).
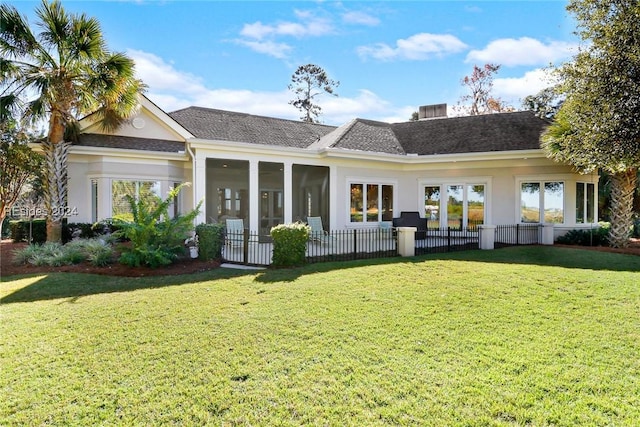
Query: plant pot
(193, 251)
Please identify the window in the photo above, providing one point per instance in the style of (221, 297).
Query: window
(455, 206)
(432, 206)
(310, 195)
(463, 206)
(475, 205)
(542, 197)
(138, 190)
(227, 189)
(271, 184)
(371, 202)
(585, 202)
(94, 200)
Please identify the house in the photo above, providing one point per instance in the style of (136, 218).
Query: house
(463, 170)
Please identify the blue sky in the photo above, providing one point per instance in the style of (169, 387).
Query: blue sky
(390, 57)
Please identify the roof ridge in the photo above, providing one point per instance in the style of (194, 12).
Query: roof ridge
(238, 113)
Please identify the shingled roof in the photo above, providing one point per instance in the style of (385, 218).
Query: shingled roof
(472, 134)
(456, 135)
(129, 143)
(207, 123)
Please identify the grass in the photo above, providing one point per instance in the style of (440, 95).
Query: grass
(520, 336)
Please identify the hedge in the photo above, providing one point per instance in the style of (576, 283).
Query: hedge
(210, 241)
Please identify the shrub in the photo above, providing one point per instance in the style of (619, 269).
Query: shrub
(24, 255)
(583, 237)
(289, 244)
(85, 230)
(156, 239)
(210, 240)
(20, 230)
(96, 251)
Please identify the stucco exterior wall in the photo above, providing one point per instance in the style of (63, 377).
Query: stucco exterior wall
(84, 169)
(501, 178)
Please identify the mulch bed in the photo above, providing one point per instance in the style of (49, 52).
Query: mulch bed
(182, 266)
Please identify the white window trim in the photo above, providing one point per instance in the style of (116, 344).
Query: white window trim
(465, 182)
(542, 179)
(595, 202)
(105, 188)
(368, 181)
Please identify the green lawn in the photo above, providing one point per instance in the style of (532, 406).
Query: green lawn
(521, 336)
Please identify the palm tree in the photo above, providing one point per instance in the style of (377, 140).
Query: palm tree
(60, 75)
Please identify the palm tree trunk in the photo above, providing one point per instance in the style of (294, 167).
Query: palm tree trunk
(55, 187)
(623, 186)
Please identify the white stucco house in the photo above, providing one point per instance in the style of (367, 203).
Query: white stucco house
(481, 169)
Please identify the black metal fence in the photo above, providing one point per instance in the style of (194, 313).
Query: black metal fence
(517, 234)
(347, 245)
(251, 248)
(439, 240)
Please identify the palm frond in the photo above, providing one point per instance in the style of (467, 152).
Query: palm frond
(16, 38)
(86, 40)
(55, 24)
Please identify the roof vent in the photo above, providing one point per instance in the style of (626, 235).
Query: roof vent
(432, 111)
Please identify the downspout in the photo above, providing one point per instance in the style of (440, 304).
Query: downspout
(194, 203)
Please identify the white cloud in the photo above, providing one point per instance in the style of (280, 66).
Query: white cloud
(514, 89)
(360, 18)
(417, 47)
(523, 51)
(261, 37)
(308, 25)
(277, 50)
(157, 73)
(173, 89)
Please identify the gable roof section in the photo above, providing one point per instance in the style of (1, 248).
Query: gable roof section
(219, 125)
(472, 134)
(129, 143)
(149, 122)
(371, 136)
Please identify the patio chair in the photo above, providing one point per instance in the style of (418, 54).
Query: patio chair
(318, 233)
(386, 229)
(235, 232)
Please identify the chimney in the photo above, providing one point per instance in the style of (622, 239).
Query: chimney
(433, 111)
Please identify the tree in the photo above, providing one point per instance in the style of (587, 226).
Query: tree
(18, 164)
(545, 104)
(60, 75)
(308, 82)
(480, 84)
(598, 125)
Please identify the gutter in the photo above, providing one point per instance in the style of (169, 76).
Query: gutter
(193, 173)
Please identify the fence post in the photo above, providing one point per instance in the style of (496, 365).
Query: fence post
(355, 243)
(407, 241)
(547, 236)
(487, 236)
(245, 246)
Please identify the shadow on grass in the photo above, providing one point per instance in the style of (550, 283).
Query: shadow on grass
(75, 285)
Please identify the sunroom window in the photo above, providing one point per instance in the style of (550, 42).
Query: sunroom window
(542, 202)
(585, 202)
(371, 202)
(120, 189)
(462, 207)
